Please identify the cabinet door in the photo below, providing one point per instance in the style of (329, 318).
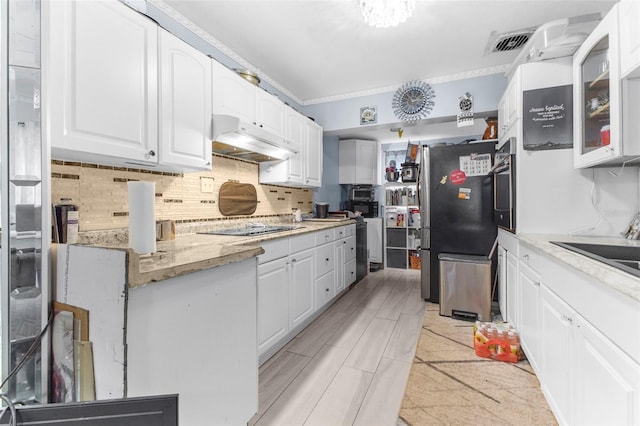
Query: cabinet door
(502, 281)
(350, 249)
(185, 104)
(313, 160)
(366, 162)
(350, 272)
(232, 95)
(339, 265)
(629, 38)
(347, 162)
(596, 96)
(295, 131)
(556, 318)
(102, 81)
(269, 112)
(273, 303)
(512, 290)
(607, 381)
(529, 314)
(301, 287)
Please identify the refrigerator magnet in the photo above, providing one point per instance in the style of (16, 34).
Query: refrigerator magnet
(458, 177)
(464, 193)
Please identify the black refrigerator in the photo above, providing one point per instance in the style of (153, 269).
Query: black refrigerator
(456, 206)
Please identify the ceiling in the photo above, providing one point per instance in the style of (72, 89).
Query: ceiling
(322, 50)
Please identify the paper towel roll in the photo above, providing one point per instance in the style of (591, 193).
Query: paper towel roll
(142, 218)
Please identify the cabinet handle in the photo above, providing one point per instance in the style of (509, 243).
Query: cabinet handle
(566, 318)
(327, 289)
(152, 153)
(526, 258)
(293, 262)
(208, 163)
(537, 284)
(327, 259)
(344, 242)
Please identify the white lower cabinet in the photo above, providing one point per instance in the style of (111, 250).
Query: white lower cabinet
(513, 290)
(606, 380)
(339, 270)
(301, 287)
(325, 289)
(350, 261)
(529, 287)
(325, 276)
(273, 301)
(555, 354)
(589, 371)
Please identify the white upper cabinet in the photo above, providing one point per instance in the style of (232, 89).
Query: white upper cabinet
(304, 165)
(629, 38)
(232, 95)
(358, 162)
(121, 92)
(605, 107)
(313, 148)
(509, 106)
(269, 112)
(101, 82)
(185, 104)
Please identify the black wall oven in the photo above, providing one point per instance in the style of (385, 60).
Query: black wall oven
(504, 186)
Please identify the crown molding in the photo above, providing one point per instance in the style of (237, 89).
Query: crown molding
(431, 80)
(223, 48)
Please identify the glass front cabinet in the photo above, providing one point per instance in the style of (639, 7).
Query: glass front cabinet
(602, 100)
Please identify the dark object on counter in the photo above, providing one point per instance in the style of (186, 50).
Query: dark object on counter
(237, 198)
(322, 209)
(65, 224)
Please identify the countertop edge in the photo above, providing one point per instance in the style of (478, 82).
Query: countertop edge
(139, 279)
(613, 278)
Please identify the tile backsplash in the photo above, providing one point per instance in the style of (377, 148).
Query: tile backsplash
(100, 192)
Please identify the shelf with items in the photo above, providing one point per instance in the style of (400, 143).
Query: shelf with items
(401, 194)
(402, 232)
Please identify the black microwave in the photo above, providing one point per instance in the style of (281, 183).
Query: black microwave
(362, 193)
(367, 208)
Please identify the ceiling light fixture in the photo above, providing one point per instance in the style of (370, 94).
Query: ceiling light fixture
(386, 13)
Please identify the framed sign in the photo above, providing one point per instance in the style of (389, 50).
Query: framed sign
(547, 117)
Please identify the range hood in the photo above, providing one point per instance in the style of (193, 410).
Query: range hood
(235, 138)
(556, 39)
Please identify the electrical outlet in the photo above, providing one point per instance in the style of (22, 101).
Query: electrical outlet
(206, 184)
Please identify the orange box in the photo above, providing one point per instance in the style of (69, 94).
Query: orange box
(499, 341)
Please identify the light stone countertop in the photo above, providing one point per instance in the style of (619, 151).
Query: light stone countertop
(616, 279)
(191, 252)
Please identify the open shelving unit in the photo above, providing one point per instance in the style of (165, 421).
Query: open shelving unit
(402, 225)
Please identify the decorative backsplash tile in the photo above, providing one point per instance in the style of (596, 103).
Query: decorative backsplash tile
(101, 193)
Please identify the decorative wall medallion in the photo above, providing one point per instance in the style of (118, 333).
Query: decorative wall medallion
(413, 101)
(368, 115)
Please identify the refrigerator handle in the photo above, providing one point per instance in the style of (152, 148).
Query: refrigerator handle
(418, 185)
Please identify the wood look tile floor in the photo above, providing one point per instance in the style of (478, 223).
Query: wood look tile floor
(351, 365)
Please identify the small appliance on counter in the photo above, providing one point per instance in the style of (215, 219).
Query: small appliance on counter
(409, 172)
(366, 208)
(322, 209)
(362, 193)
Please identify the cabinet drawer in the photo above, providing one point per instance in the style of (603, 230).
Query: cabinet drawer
(274, 249)
(350, 249)
(324, 290)
(325, 259)
(341, 232)
(350, 272)
(302, 242)
(529, 256)
(350, 231)
(325, 236)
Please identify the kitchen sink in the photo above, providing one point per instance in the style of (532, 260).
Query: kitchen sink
(624, 258)
(251, 230)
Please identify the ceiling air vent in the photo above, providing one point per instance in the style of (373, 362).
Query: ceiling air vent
(509, 41)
